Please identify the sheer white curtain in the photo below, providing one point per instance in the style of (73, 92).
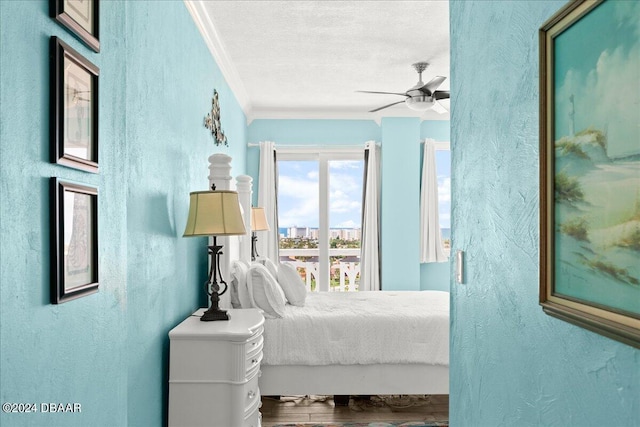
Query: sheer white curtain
(431, 249)
(370, 252)
(267, 198)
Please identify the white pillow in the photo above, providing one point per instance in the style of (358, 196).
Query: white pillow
(233, 292)
(265, 291)
(239, 270)
(292, 285)
(271, 266)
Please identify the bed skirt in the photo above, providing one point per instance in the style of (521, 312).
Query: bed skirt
(354, 379)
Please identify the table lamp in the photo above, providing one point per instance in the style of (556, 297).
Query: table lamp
(214, 213)
(258, 223)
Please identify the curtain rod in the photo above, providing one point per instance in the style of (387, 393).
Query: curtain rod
(256, 144)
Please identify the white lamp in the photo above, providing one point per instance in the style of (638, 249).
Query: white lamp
(258, 223)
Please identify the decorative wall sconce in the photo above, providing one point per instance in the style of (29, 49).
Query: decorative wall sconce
(212, 121)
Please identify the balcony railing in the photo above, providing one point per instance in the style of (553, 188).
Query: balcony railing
(344, 271)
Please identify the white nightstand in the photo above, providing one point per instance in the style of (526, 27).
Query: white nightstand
(214, 369)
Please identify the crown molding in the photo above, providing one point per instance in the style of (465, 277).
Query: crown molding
(203, 21)
(339, 114)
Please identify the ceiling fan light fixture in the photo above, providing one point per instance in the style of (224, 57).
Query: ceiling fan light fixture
(421, 97)
(419, 103)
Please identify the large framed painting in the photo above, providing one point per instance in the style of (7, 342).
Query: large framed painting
(74, 240)
(74, 108)
(81, 17)
(590, 167)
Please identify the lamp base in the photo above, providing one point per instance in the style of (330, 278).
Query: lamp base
(214, 314)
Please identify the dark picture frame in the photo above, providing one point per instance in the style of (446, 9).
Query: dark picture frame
(74, 240)
(74, 108)
(80, 17)
(589, 227)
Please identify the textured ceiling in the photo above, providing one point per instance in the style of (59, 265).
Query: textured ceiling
(307, 58)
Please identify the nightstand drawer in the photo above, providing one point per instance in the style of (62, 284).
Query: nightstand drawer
(253, 364)
(255, 342)
(252, 395)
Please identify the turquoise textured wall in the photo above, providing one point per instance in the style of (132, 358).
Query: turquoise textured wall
(400, 213)
(511, 364)
(172, 75)
(440, 130)
(107, 351)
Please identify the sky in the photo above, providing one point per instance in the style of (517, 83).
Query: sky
(298, 192)
(597, 60)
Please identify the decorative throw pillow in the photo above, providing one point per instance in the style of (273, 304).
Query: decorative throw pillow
(265, 291)
(292, 285)
(233, 292)
(271, 266)
(239, 270)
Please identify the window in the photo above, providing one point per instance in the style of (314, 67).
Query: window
(320, 214)
(443, 170)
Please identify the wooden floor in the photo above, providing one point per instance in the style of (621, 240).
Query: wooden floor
(310, 409)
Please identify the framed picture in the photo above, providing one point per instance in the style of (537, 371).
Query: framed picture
(590, 168)
(74, 108)
(74, 240)
(81, 17)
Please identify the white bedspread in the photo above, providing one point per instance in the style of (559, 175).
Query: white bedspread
(361, 328)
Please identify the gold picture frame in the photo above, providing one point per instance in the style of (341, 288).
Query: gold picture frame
(590, 169)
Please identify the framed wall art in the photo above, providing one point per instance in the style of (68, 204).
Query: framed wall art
(74, 240)
(590, 168)
(74, 108)
(81, 17)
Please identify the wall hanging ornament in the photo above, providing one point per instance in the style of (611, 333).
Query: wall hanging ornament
(212, 121)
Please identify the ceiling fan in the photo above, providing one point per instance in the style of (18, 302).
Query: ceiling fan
(420, 97)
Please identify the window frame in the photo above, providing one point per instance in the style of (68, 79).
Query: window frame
(443, 146)
(323, 155)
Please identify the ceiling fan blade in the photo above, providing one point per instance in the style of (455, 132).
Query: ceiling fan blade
(433, 84)
(441, 94)
(384, 93)
(389, 105)
(438, 108)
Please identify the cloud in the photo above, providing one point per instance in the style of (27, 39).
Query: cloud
(445, 220)
(606, 98)
(345, 182)
(304, 214)
(444, 190)
(345, 193)
(297, 188)
(298, 202)
(347, 164)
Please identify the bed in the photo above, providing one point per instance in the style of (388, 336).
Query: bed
(357, 343)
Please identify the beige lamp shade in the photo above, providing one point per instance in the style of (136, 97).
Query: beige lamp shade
(258, 220)
(214, 213)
